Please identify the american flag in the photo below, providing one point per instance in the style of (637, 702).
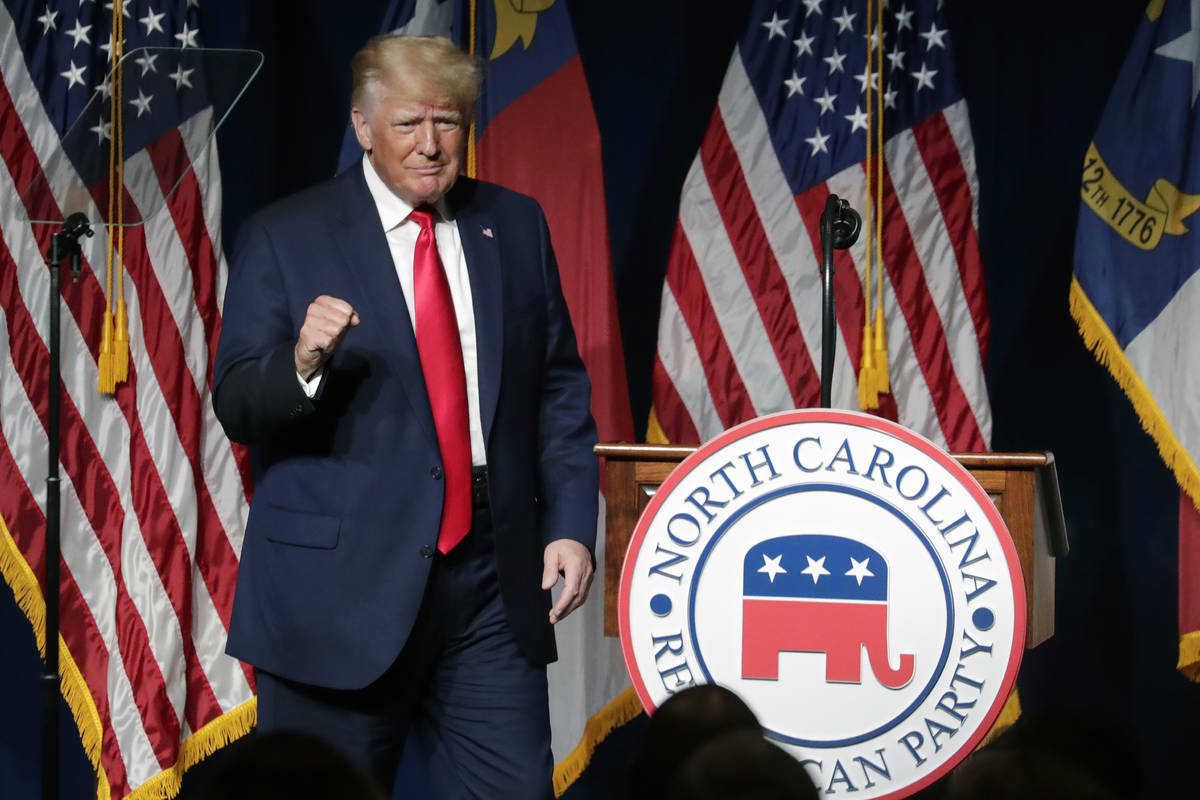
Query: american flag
(154, 496)
(740, 324)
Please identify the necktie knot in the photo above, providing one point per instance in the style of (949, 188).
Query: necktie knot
(422, 216)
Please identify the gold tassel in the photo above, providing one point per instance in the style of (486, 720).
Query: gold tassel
(882, 384)
(105, 384)
(121, 344)
(868, 397)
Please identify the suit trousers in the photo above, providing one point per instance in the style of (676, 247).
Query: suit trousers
(460, 691)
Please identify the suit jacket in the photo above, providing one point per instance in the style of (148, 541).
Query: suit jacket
(347, 485)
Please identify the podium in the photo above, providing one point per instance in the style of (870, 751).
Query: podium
(1024, 487)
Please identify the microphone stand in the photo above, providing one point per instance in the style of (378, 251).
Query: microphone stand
(64, 247)
(840, 225)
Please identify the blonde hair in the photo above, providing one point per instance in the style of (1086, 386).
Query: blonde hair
(433, 63)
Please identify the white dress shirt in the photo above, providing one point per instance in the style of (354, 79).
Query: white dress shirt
(401, 233)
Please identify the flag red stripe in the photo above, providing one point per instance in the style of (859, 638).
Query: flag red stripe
(80, 458)
(164, 345)
(168, 550)
(27, 525)
(763, 276)
(186, 204)
(954, 413)
(725, 384)
(669, 409)
(944, 165)
(98, 498)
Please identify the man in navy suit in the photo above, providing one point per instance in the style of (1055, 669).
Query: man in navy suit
(379, 595)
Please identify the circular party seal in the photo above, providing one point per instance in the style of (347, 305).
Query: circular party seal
(847, 578)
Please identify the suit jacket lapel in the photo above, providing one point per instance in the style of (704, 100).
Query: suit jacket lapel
(481, 245)
(361, 239)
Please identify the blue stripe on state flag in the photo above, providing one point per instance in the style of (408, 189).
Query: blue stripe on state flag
(814, 566)
(814, 139)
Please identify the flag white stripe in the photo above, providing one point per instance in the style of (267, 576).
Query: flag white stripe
(914, 401)
(1165, 355)
(960, 130)
(681, 361)
(80, 551)
(932, 240)
(732, 301)
(168, 260)
(798, 257)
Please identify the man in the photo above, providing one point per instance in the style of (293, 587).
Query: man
(397, 352)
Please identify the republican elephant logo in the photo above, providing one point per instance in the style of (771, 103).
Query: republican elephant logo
(817, 593)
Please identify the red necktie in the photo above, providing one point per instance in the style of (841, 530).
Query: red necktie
(445, 380)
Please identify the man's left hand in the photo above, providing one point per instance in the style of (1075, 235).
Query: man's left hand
(572, 560)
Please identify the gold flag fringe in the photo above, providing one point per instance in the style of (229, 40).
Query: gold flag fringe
(1100, 340)
(202, 743)
(620, 710)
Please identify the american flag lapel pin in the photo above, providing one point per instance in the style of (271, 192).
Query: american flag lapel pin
(487, 231)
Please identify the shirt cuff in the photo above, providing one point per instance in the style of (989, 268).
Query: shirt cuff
(310, 386)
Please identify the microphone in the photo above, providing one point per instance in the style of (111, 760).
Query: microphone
(844, 222)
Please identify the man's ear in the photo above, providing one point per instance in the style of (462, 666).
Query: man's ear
(362, 131)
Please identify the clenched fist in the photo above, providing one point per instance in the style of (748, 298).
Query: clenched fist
(325, 324)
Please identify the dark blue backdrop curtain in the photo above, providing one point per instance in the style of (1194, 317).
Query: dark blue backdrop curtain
(1036, 76)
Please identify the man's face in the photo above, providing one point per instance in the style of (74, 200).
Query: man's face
(415, 144)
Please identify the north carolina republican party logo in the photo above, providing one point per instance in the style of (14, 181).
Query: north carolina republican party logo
(847, 578)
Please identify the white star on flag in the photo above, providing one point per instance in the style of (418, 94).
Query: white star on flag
(835, 61)
(858, 119)
(933, 37)
(80, 34)
(142, 103)
(187, 36)
(846, 21)
(812, 7)
(1184, 48)
(48, 21)
(103, 130)
(816, 568)
(818, 140)
(146, 62)
(904, 18)
(858, 569)
(825, 101)
(924, 77)
(795, 84)
(152, 21)
(74, 74)
(804, 44)
(774, 27)
(181, 76)
(772, 567)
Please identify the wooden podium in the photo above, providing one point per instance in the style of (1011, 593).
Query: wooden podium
(1024, 487)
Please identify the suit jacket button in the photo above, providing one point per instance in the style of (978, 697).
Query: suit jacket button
(426, 551)
(436, 472)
